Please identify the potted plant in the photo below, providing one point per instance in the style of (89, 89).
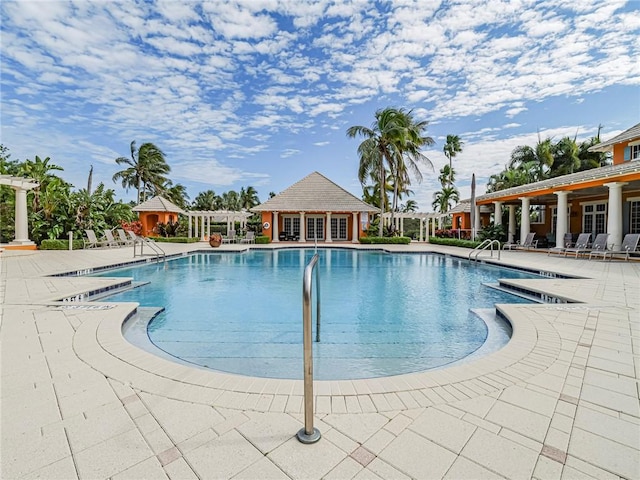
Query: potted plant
(215, 240)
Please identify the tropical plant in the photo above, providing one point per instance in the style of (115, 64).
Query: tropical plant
(410, 206)
(207, 200)
(392, 143)
(248, 198)
(443, 199)
(147, 168)
(231, 201)
(451, 148)
(566, 157)
(447, 176)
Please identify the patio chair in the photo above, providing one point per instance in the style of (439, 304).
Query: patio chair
(581, 245)
(249, 238)
(92, 240)
(111, 240)
(122, 235)
(528, 243)
(230, 238)
(581, 242)
(629, 244)
(599, 244)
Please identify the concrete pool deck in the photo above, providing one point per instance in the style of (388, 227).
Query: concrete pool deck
(561, 400)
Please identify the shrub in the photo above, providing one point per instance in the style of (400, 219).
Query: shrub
(263, 239)
(454, 242)
(385, 240)
(60, 244)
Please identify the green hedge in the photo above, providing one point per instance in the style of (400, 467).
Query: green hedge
(386, 240)
(454, 242)
(263, 239)
(175, 239)
(61, 245)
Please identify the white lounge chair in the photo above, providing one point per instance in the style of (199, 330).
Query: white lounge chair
(599, 245)
(92, 240)
(249, 238)
(111, 240)
(230, 237)
(122, 235)
(629, 244)
(581, 245)
(528, 243)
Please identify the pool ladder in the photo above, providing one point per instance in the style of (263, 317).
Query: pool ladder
(309, 434)
(157, 251)
(483, 246)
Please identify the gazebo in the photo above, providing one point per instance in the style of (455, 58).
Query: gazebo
(425, 220)
(156, 210)
(21, 186)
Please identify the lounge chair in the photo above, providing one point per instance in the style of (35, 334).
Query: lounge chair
(111, 240)
(122, 235)
(581, 245)
(528, 243)
(230, 238)
(92, 240)
(249, 238)
(599, 245)
(629, 244)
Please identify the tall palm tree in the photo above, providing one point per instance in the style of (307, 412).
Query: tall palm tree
(393, 137)
(207, 201)
(410, 206)
(147, 166)
(231, 200)
(540, 157)
(447, 175)
(566, 157)
(451, 148)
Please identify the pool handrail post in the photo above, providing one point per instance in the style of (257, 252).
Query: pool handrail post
(308, 434)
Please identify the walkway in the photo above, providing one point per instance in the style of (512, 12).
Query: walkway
(560, 401)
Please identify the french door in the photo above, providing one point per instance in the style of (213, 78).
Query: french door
(315, 228)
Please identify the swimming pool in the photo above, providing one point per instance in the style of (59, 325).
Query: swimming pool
(382, 314)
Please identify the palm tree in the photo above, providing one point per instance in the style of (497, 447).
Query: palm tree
(566, 157)
(231, 200)
(447, 175)
(147, 166)
(393, 136)
(248, 198)
(40, 171)
(207, 201)
(176, 194)
(451, 149)
(410, 206)
(538, 160)
(442, 199)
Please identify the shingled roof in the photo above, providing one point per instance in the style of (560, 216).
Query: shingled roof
(314, 193)
(630, 134)
(157, 204)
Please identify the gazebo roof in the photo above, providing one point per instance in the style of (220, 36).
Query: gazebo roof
(465, 207)
(157, 204)
(314, 193)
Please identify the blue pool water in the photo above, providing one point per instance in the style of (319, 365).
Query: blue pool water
(382, 314)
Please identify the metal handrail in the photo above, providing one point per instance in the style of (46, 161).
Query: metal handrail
(159, 252)
(309, 434)
(483, 246)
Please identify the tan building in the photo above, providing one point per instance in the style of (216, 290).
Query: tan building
(315, 208)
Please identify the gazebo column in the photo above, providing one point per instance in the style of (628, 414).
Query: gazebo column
(189, 225)
(303, 228)
(354, 229)
(208, 226)
(512, 224)
(328, 229)
(497, 213)
(561, 218)
(402, 226)
(614, 218)
(274, 228)
(525, 218)
(421, 222)
(433, 227)
(195, 226)
(202, 227)
(22, 224)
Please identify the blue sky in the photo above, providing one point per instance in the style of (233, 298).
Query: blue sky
(261, 92)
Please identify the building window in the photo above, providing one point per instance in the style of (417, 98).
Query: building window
(291, 225)
(536, 214)
(554, 218)
(634, 224)
(315, 228)
(594, 218)
(632, 152)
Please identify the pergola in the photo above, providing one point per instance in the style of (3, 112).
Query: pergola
(21, 186)
(425, 218)
(198, 220)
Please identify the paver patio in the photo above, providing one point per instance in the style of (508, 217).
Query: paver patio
(561, 400)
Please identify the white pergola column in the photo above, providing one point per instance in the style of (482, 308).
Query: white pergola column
(328, 229)
(208, 226)
(561, 217)
(202, 227)
(22, 223)
(354, 229)
(614, 217)
(433, 227)
(195, 226)
(275, 230)
(421, 237)
(189, 225)
(402, 226)
(303, 228)
(497, 213)
(525, 218)
(512, 224)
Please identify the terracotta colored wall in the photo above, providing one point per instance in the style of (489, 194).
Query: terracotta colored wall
(149, 221)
